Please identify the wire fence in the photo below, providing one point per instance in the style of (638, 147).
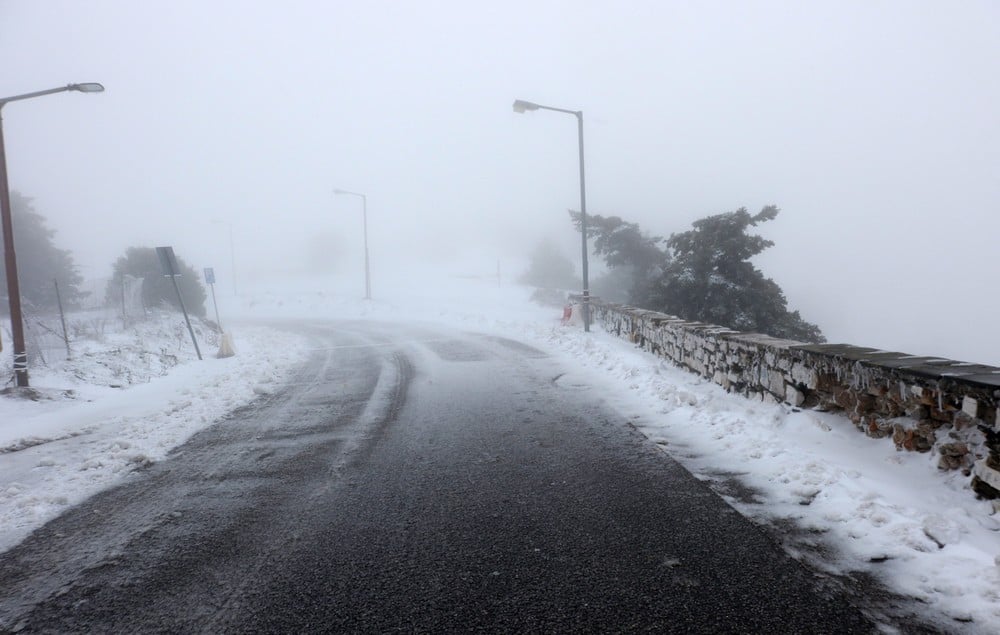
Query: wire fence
(105, 306)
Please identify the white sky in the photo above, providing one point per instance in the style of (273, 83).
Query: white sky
(872, 125)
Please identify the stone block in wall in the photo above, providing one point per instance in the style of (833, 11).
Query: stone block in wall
(877, 427)
(721, 379)
(694, 364)
(954, 456)
(845, 399)
(942, 416)
(918, 411)
(827, 382)
(919, 438)
(864, 404)
(986, 474)
(973, 407)
(775, 382)
(877, 390)
(794, 396)
(924, 394)
(892, 407)
(740, 358)
(804, 376)
(962, 421)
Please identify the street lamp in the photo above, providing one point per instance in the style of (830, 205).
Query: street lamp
(364, 210)
(232, 250)
(13, 288)
(521, 106)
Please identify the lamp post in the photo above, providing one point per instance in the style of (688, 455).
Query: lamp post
(20, 353)
(364, 211)
(521, 106)
(232, 250)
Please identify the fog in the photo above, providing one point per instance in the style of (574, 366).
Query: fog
(873, 126)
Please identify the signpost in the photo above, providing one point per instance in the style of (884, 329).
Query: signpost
(226, 346)
(168, 263)
(210, 281)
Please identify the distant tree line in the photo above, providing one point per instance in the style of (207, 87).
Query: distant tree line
(549, 268)
(40, 263)
(157, 289)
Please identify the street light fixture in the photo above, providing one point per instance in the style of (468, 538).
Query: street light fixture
(20, 353)
(364, 210)
(521, 106)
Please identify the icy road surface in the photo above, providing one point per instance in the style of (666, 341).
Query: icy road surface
(416, 479)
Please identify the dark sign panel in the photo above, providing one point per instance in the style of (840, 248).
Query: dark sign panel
(168, 262)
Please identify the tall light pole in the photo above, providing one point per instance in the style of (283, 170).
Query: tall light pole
(521, 106)
(364, 211)
(10, 261)
(232, 250)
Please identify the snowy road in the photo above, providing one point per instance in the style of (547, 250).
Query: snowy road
(415, 479)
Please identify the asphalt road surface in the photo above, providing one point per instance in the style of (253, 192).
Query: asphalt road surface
(415, 479)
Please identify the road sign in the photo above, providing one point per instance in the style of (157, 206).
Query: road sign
(168, 262)
(209, 275)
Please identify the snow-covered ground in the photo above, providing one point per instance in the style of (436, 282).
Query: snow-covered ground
(873, 509)
(124, 400)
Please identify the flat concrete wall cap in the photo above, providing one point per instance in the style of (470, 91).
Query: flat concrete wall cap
(986, 379)
(651, 315)
(843, 351)
(760, 339)
(705, 327)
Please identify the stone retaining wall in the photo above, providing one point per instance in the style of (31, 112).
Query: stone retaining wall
(924, 404)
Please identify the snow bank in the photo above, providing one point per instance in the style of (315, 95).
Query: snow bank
(123, 401)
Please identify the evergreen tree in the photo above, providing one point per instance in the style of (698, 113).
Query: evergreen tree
(39, 261)
(626, 246)
(157, 289)
(711, 276)
(550, 269)
(704, 274)
(613, 285)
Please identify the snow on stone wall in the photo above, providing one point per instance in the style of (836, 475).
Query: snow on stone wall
(923, 404)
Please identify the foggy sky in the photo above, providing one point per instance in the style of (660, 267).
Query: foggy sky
(872, 125)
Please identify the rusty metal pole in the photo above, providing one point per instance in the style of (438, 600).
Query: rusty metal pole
(187, 319)
(10, 262)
